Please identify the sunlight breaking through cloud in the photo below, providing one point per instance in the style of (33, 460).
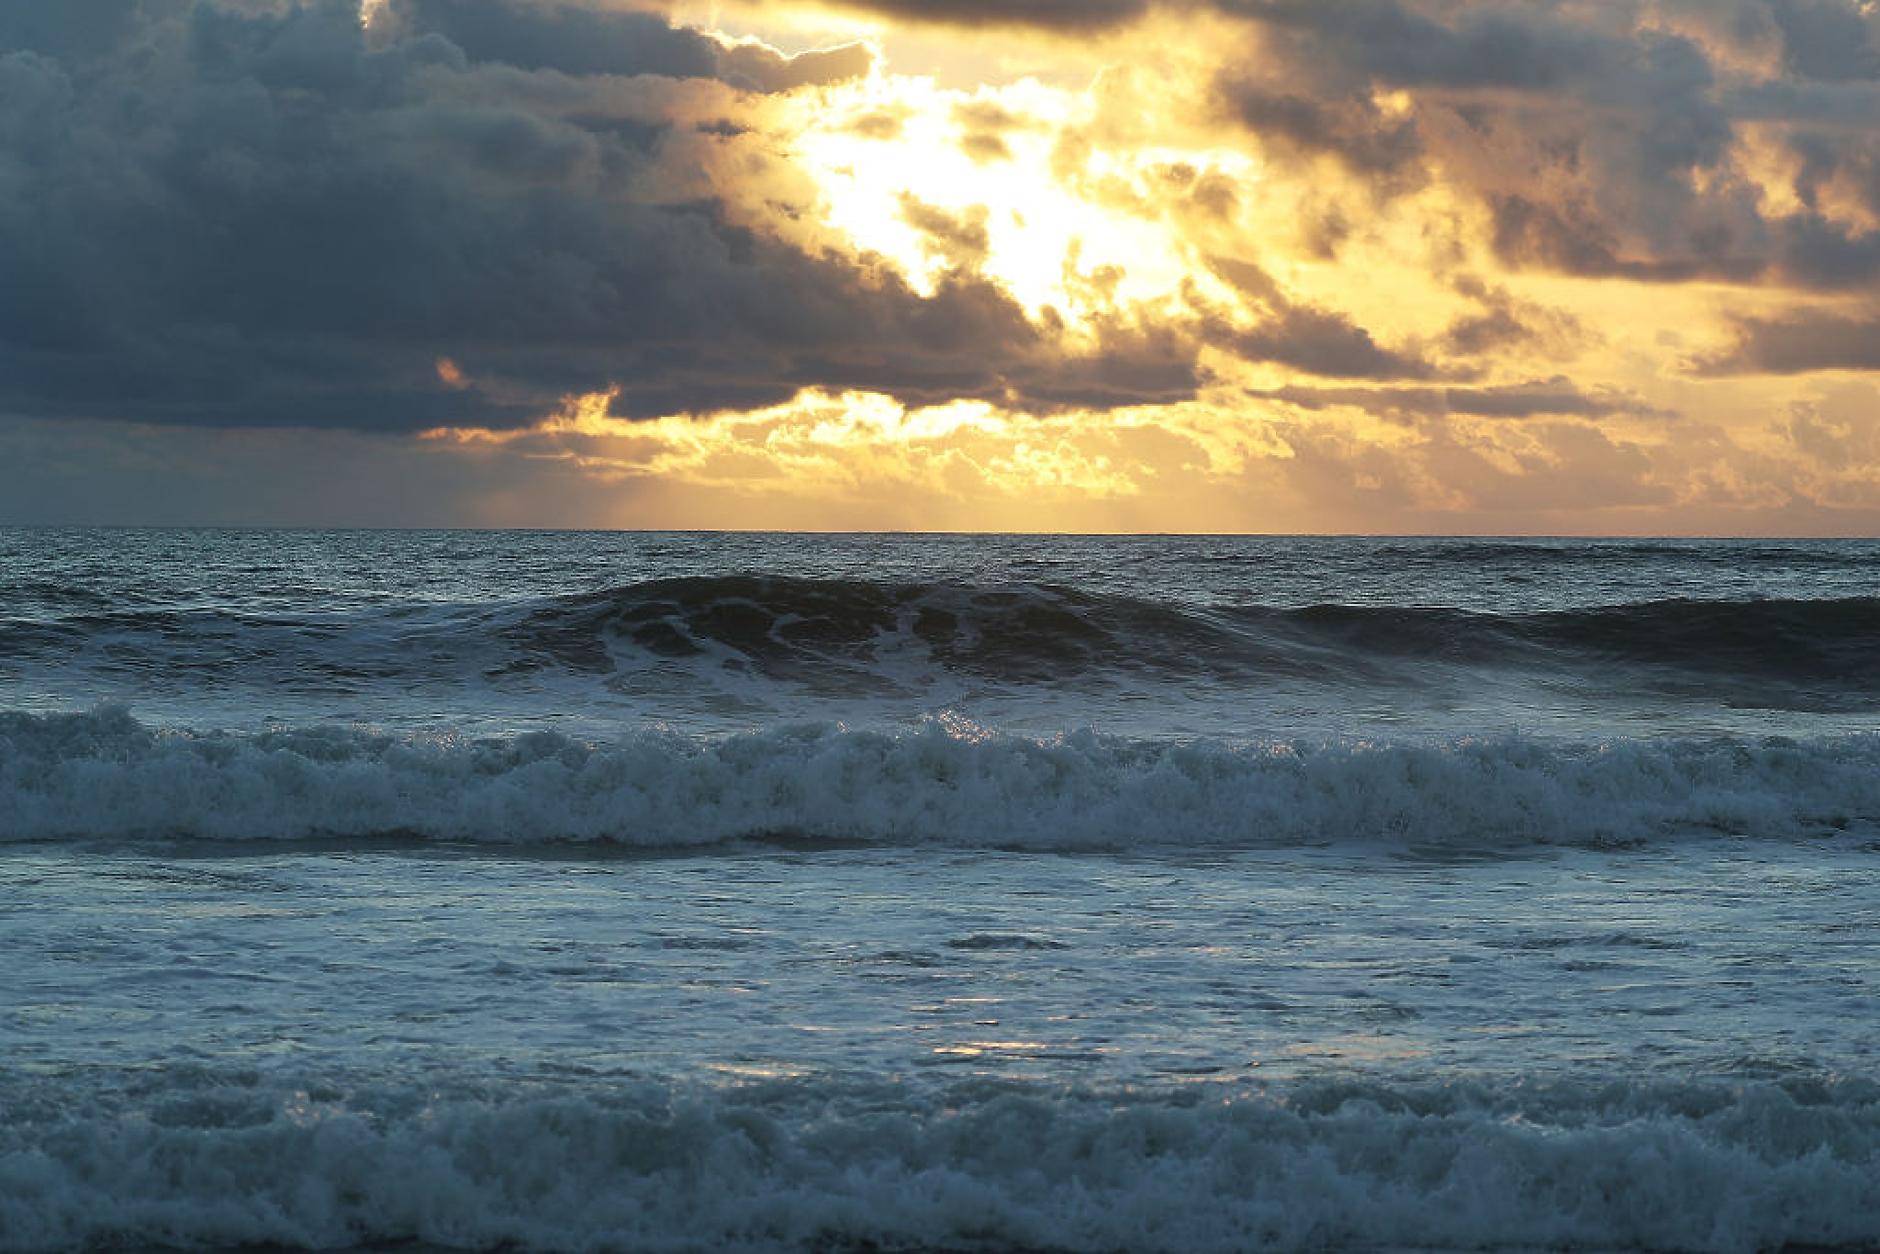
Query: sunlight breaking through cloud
(1524, 266)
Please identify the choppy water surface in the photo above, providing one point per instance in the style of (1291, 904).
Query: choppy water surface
(700, 892)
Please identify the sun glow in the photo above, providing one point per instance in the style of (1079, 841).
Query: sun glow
(824, 458)
(1249, 309)
(995, 182)
(821, 445)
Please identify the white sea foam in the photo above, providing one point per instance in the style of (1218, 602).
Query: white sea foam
(104, 775)
(817, 1164)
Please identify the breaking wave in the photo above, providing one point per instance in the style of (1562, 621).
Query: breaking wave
(783, 626)
(102, 775)
(818, 1164)
(836, 635)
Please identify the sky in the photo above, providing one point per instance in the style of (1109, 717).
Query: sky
(1391, 266)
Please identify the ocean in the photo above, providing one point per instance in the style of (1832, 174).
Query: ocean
(659, 892)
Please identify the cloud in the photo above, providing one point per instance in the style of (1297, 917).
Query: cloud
(1603, 141)
(1352, 130)
(1502, 321)
(576, 38)
(961, 238)
(1303, 336)
(1071, 16)
(759, 67)
(565, 37)
(1806, 340)
(1839, 428)
(297, 217)
(1555, 397)
(68, 31)
(1826, 40)
(1824, 254)
(1390, 244)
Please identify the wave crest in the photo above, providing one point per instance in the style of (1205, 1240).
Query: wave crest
(816, 1165)
(103, 775)
(791, 627)
(764, 637)
(812, 630)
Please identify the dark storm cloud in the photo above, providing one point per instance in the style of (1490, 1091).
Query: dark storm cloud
(1486, 45)
(1826, 254)
(1351, 130)
(1823, 39)
(759, 68)
(1599, 140)
(1322, 342)
(1804, 342)
(1574, 237)
(1305, 337)
(571, 38)
(67, 30)
(1071, 16)
(265, 215)
(1556, 398)
(1502, 321)
(1581, 135)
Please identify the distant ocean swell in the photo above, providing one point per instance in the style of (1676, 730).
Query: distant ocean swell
(1033, 631)
(834, 634)
(103, 775)
(818, 1164)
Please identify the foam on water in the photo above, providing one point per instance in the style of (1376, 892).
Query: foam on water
(103, 775)
(1014, 893)
(861, 1165)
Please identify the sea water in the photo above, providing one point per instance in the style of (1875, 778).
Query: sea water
(698, 892)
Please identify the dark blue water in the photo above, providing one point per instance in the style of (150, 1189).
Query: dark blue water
(1233, 637)
(678, 892)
